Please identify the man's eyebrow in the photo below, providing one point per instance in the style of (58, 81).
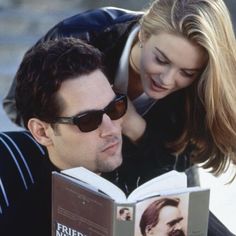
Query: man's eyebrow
(189, 69)
(175, 221)
(91, 110)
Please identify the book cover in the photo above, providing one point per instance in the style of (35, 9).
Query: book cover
(85, 204)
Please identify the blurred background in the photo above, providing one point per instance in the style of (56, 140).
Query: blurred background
(23, 22)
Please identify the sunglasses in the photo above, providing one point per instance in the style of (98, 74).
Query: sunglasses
(91, 120)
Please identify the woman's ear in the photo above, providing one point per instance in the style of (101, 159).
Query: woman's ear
(140, 38)
(143, 36)
(41, 131)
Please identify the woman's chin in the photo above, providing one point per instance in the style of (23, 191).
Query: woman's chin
(156, 94)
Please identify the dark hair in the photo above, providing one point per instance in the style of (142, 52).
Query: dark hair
(42, 71)
(122, 210)
(151, 214)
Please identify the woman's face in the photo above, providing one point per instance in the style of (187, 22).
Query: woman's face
(169, 63)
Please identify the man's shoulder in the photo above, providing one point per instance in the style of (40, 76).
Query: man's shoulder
(20, 143)
(21, 158)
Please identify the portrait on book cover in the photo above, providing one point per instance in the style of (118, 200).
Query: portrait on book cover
(124, 213)
(162, 216)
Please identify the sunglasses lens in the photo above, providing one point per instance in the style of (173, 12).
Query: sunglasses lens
(117, 108)
(89, 121)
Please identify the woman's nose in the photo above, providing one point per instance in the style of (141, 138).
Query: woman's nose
(167, 77)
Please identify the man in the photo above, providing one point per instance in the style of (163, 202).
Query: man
(162, 218)
(124, 214)
(70, 109)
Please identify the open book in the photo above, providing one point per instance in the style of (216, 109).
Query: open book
(84, 203)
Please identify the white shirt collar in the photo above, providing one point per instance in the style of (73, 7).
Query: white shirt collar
(142, 103)
(122, 75)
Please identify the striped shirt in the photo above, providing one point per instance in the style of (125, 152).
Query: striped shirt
(25, 185)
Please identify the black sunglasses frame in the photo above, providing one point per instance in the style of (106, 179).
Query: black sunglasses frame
(75, 120)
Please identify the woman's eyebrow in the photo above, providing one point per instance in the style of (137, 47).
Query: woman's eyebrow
(162, 53)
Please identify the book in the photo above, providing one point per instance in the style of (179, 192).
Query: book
(86, 204)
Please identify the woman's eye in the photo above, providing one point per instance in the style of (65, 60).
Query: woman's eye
(160, 61)
(188, 74)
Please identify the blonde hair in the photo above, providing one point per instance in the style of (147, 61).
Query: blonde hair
(211, 115)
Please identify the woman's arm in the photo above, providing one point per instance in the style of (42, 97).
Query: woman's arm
(133, 125)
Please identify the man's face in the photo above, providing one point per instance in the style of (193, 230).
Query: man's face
(125, 215)
(98, 150)
(170, 223)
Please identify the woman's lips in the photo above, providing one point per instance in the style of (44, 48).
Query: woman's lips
(157, 87)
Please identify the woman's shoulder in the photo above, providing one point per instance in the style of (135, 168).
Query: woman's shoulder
(88, 23)
(99, 17)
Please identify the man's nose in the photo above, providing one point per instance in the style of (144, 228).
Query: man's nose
(178, 226)
(110, 127)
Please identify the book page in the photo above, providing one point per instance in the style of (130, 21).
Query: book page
(174, 191)
(96, 181)
(169, 181)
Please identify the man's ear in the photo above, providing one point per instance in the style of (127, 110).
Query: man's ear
(41, 131)
(149, 230)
